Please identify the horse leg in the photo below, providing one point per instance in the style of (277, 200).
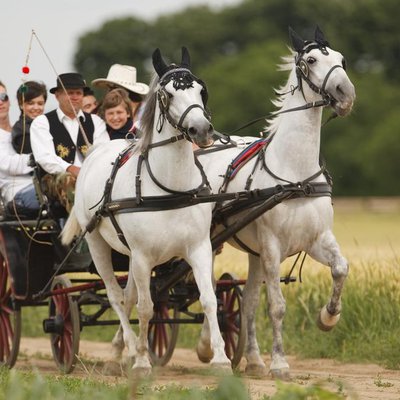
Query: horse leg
(141, 275)
(203, 349)
(326, 251)
(130, 299)
(101, 255)
(251, 296)
(270, 258)
(201, 261)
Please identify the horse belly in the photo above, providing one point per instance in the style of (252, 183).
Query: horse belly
(298, 223)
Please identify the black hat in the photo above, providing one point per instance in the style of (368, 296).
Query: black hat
(70, 80)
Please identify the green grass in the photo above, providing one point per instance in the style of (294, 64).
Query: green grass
(368, 330)
(16, 385)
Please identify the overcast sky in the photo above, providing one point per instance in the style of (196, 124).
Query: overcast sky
(58, 24)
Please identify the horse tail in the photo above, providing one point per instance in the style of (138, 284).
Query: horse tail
(71, 229)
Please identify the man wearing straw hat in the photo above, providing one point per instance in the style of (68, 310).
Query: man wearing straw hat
(61, 138)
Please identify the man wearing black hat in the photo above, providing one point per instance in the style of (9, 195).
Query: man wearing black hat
(61, 138)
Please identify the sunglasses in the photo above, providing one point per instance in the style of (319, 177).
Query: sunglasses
(3, 96)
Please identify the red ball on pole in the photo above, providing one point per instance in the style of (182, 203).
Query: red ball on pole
(25, 69)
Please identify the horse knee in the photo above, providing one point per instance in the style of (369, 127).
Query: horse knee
(340, 270)
(209, 304)
(277, 310)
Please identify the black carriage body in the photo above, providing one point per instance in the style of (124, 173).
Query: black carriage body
(33, 251)
(29, 254)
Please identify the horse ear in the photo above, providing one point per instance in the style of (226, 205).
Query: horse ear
(158, 63)
(297, 41)
(185, 58)
(320, 37)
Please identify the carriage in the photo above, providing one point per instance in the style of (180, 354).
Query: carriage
(30, 275)
(240, 212)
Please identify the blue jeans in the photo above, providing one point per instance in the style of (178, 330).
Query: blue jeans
(26, 199)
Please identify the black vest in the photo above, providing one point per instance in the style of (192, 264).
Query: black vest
(63, 144)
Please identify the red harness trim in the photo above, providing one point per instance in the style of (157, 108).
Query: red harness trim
(246, 155)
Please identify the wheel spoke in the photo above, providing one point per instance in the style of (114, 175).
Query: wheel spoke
(67, 340)
(56, 301)
(231, 301)
(8, 326)
(152, 337)
(4, 338)
(228, 345)
(61, 349)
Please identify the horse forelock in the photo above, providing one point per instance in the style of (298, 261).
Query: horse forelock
(183, 78)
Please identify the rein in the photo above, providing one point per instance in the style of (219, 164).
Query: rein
(302, 74)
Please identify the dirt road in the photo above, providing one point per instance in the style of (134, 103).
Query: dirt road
(357, 381)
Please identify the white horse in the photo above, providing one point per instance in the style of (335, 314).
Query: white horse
(317, 78)
(159, 164)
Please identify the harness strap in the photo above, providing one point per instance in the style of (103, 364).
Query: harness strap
(264, 200)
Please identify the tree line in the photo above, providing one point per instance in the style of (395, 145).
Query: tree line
(236, 51)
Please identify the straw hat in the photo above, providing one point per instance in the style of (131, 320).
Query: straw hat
(122, 76)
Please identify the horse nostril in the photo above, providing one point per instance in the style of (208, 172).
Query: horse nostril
(339, 90)
(192, 131)
(211, 128)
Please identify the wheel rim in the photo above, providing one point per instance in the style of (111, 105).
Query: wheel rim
(10, 319)
(233, 329)
(162, 337)
(65, 344)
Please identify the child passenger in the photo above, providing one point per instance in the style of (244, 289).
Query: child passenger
(117, 114)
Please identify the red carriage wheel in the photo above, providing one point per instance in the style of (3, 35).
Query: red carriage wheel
(10, 317)
(162, 336)
(65, 326)
(232, 323)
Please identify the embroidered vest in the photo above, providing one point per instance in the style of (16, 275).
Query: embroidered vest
(63, 144)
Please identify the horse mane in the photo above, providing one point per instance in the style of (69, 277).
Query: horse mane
(283, 91)
(147, 120)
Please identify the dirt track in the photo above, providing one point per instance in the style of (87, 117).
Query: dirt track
(357, 381)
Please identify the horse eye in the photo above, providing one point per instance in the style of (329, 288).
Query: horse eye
(311, 60)
(344, 64)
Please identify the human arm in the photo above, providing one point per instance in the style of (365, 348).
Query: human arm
(43, 147)
(100, 134)
(12, 163)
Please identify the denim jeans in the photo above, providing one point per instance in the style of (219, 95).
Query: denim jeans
(26, 199)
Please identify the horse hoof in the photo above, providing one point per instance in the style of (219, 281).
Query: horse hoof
(112, 368)
(327, 321)
(127, 362)
(141, 372)
(222, 369)
(204, 353)
(282, 374)
(256, 370)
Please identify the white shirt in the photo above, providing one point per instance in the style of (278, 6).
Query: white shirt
(14, 169)
(43, 145)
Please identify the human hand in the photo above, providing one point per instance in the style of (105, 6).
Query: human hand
(73, 170)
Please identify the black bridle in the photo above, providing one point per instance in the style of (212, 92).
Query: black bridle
(182, 79)
(302, 72)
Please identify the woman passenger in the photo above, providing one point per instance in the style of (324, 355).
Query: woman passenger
(16, 185)
(31, 98)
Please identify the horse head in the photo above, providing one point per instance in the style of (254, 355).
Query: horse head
(324, 71)
(182, 100)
